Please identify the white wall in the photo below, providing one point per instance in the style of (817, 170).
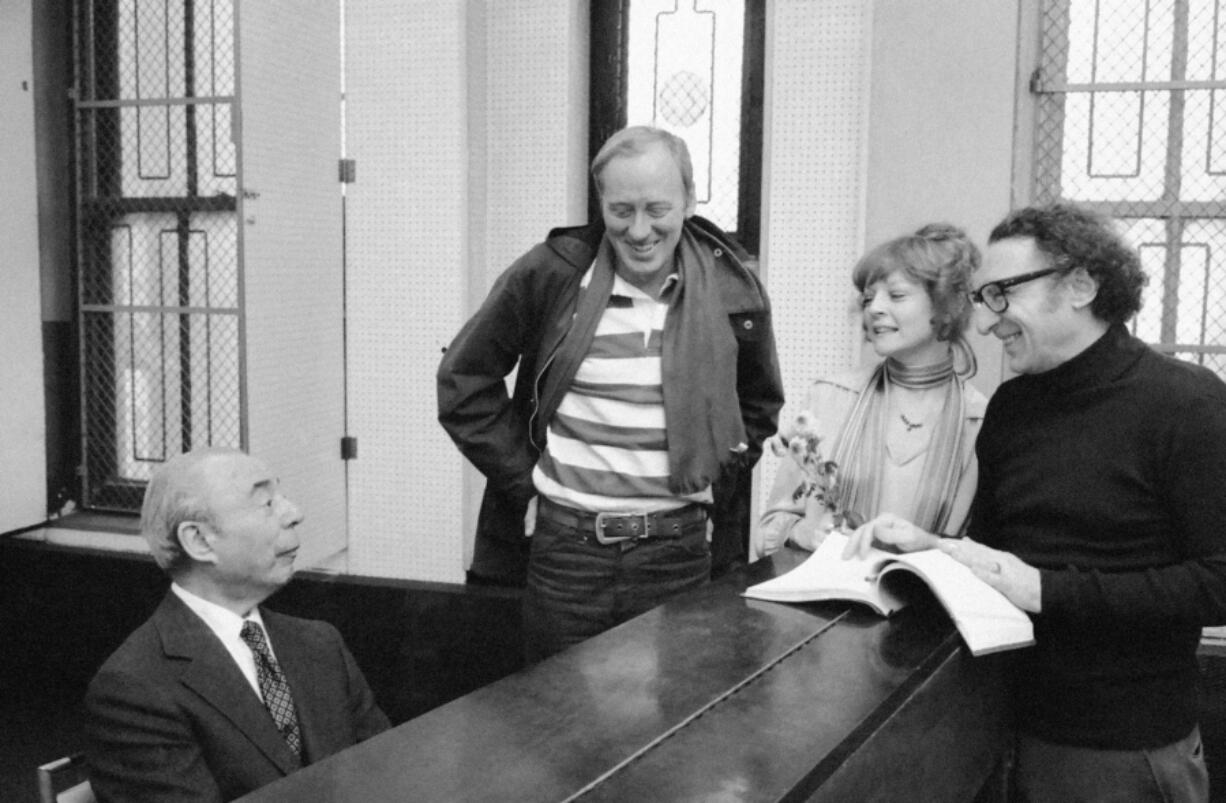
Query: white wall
(467, 119)
(815, 129)
(23, 492)
(291, 255)
(941, 128)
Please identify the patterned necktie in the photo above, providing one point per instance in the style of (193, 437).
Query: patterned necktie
(273, 687)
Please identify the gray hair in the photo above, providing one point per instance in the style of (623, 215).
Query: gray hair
(176, 495)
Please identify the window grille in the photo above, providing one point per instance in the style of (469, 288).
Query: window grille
(1131, 121)
(158, 285)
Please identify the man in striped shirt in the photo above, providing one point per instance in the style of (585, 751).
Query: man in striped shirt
(647, 380)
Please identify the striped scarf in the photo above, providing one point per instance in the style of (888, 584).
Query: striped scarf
(861, 449)
(698, 363)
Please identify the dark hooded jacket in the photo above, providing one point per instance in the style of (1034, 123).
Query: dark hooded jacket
(520, 326)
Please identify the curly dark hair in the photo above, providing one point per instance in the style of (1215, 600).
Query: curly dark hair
(1072, 237)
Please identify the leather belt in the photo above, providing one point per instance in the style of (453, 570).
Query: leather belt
(614, 528)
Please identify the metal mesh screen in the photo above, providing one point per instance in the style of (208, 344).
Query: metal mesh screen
(158, 258)
(1131, 121)
(684, 75)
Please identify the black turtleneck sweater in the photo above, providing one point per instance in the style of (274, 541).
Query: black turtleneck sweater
(1108, 473)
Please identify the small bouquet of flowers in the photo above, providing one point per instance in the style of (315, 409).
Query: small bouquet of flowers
(820, 477)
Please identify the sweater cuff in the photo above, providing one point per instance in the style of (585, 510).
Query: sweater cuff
(1055, 589)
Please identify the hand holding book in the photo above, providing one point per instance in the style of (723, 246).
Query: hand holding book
(987, 620)
(1017, 580)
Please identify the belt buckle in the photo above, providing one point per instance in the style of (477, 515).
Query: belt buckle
(602, 538)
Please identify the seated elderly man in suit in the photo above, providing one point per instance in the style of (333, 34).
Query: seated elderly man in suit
(213, 697)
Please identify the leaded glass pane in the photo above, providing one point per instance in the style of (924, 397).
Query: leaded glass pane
(685, 76)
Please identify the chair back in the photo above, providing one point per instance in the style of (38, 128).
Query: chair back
(65, 780)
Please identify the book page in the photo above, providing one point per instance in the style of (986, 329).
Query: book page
(825, 575)
(987, 620)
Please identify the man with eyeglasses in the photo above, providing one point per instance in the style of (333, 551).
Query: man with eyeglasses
(1100, 509)
(1103, 480)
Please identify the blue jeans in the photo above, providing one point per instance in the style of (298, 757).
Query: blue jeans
(1173, 773)
(578, 587)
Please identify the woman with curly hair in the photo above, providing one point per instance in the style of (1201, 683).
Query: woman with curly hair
(901, 432)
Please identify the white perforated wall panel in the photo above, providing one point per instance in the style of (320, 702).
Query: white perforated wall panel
(815, 130)
(462, 119)
(534, 147)
(23, 491)
(406, 127)
(289, 68)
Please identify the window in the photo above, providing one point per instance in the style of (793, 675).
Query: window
(692, 67)
(160, 321)
(1131, 121)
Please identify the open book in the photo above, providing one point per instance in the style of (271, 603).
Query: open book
(987, 620)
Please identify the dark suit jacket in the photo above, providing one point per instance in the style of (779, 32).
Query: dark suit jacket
(170, 716)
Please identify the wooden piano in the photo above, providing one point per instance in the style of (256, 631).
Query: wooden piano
(709, 697)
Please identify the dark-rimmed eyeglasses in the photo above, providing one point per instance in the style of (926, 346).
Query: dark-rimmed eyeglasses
(993, 296)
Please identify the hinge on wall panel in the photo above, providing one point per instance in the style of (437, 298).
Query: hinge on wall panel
(348, 171)
(349, 448)
(1036, 81)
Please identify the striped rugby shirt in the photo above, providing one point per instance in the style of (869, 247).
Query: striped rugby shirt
(607, 449)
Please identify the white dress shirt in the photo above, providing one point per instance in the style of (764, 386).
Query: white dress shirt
(227, 625)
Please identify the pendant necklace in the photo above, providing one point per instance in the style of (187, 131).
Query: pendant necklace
(918, 379)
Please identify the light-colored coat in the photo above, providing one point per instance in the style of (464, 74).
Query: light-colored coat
(831, 401)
